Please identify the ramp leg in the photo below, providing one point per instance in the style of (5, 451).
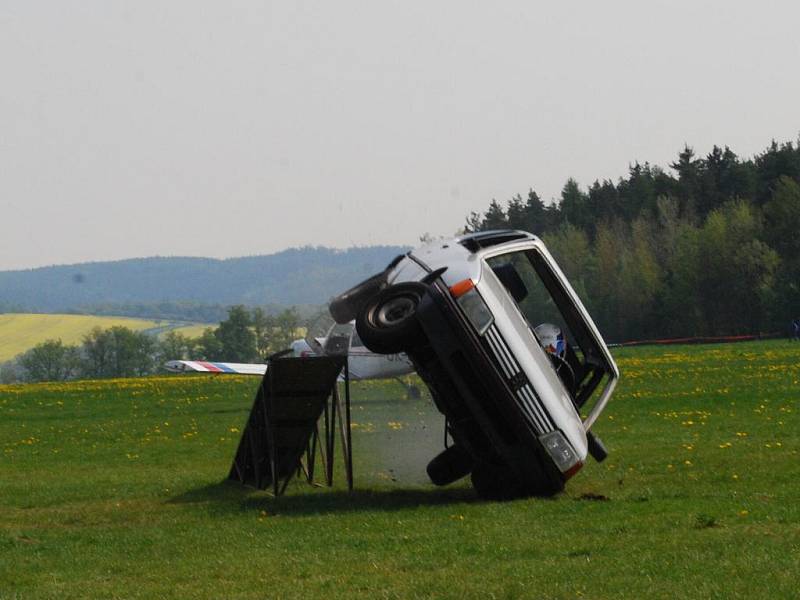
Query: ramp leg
(311, 455)
(330, 434)
(349, 455)
(344, 431)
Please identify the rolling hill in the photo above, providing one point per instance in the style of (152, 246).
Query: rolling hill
(297, 276)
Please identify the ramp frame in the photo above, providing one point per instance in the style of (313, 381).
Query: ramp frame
(281, 438)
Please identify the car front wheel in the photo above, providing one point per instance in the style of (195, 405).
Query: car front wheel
(498, 482)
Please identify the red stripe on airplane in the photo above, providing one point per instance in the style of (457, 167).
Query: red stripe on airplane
(211, 367)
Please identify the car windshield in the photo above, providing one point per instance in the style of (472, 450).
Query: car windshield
(554, 319)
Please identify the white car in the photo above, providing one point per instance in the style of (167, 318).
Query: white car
(507, 349)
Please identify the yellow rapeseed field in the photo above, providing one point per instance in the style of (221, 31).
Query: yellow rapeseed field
(20, 332)
(193, 331)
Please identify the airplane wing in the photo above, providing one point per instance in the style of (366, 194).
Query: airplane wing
(202, 366)
(363, 363)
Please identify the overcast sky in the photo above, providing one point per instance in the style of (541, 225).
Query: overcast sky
(230, 128)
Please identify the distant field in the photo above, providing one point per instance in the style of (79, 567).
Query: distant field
(20, 332)
(114, 489)
(193, 331)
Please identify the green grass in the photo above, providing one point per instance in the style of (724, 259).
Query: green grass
(114, 490)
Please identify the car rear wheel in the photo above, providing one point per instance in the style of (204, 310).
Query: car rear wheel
(387, 322)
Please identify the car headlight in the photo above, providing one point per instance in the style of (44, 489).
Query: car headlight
(473, 305)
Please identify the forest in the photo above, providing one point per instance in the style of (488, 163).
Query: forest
(708, 247)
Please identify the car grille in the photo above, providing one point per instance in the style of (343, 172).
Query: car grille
(526, 397)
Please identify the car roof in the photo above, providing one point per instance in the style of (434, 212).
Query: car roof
(461, 255)
(484, 239)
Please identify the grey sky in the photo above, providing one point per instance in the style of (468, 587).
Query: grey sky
(230, 128)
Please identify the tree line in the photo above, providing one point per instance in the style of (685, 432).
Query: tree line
(710, 248)
(244, 336)
(186, 310)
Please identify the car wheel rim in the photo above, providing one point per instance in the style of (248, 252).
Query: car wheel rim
(395, 311)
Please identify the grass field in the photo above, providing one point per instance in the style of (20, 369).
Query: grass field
(21, 332)
(114, 489)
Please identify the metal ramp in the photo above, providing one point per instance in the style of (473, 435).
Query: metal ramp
(283, 427)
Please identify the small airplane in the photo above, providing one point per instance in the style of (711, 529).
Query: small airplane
(339, 339)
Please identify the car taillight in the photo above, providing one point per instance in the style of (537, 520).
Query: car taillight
(472, 304)
(562, 453)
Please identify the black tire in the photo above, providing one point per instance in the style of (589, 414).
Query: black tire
(450, 465)
(498, 482)
(495, 482)
(346, 306)
(387, 323)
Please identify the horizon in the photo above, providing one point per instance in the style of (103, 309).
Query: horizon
(217, 259)
(583, 186)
